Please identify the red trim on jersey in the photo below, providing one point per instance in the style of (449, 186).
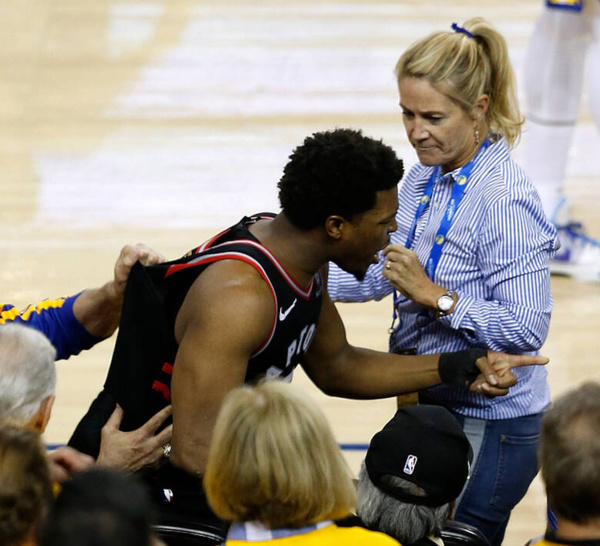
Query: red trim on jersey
(163, 389)
(301, 292)
(208, 244)
(203, 260)
(167, 368)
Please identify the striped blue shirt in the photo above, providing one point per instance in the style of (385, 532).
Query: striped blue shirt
(495, 257)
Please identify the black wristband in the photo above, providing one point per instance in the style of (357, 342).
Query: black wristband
(459, 368)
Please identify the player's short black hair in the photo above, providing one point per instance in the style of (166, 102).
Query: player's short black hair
(336, 173)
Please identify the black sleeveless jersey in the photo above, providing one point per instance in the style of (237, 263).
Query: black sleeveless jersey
(139, 377)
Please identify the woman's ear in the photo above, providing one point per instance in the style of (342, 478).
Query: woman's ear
(481, 107)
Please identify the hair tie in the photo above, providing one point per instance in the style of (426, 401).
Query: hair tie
(458, 28)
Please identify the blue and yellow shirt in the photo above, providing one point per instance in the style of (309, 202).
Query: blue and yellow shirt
(56, 320)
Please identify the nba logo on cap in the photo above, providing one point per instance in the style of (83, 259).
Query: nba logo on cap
(409, 465)
(168, 495)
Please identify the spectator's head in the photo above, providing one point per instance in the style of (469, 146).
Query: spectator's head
(27, 376)
(470, 65)
(273, 459)
(100, 507)
(25, 485)
(570, 455)
(345, 184)
(415, 467)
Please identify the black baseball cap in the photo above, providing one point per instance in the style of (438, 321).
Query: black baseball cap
(424, 445)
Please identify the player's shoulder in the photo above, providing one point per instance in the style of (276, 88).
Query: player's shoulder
(231, 297)
(231, 273)
(229, 283)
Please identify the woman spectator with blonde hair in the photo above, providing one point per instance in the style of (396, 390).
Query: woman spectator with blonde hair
(469, 263)
(275, 471)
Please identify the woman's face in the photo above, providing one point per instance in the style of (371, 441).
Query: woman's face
(440, 131)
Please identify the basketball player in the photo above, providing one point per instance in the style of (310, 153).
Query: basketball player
(252, 302)
(567, 34)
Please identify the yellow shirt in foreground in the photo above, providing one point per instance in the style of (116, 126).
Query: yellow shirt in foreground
(325, 536)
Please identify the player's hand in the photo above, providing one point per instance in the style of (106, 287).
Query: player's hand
(66, 461)
(137, 449)
(497, 376)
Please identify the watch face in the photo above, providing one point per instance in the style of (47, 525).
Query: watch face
(445, 303)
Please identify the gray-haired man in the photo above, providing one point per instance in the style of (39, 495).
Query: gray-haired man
(415, 468)
(27, 392)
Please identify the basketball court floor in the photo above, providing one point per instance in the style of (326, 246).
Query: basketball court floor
(162, 121)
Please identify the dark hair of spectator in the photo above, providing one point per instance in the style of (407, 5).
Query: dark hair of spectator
(100, 507)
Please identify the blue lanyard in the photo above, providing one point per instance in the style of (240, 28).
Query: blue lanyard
(458, 190)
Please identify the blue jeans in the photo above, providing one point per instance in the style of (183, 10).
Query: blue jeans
(504, 464)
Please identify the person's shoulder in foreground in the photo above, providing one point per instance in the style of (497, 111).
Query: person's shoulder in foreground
(318, 535)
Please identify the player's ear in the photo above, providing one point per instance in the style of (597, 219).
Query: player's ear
(334, 226)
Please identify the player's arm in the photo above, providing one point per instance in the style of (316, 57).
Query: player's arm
(226, 315)
(339, 369)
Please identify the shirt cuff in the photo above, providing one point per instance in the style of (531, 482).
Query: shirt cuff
(79, 339)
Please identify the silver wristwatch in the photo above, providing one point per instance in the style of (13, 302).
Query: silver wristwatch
(445, 303)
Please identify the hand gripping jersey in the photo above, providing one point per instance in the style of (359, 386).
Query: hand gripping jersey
(139, 377)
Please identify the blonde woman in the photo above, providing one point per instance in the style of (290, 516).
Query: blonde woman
(469, 263)
(275, 471)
